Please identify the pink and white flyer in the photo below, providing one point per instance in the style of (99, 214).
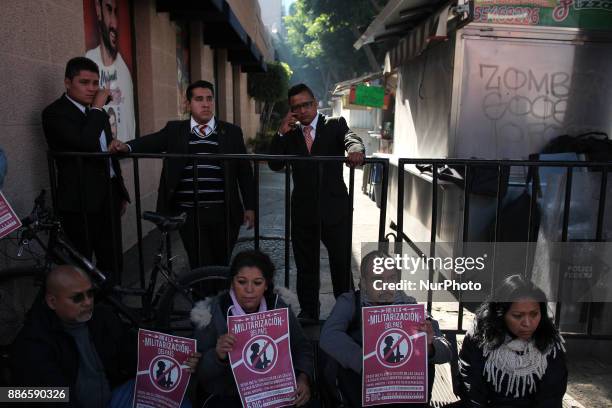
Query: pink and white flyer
(261, 359)
(162, 377)
(9, 221)
(394, 355)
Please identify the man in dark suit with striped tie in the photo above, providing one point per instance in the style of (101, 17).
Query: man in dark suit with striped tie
(91, 195)
(320, 205)
(217, 181)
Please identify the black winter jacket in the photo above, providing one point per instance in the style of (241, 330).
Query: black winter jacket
(45, 355)
(477, 392)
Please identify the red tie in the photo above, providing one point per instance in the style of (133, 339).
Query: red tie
(308, 137)
(202, 130)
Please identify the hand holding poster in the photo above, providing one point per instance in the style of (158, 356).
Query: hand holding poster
(394, 355)
(8, 219)
(162, 378)
(261, 359)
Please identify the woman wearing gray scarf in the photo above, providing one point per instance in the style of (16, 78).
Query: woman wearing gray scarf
(514, 356)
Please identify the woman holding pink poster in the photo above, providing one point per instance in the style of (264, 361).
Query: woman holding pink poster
(341, 336)
(252, 290)
(514, 356)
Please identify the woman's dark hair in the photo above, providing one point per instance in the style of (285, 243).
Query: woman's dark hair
(490, 324)
(257, 259)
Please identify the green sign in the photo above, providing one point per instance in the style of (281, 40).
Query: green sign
(373, 96)
(586, 14)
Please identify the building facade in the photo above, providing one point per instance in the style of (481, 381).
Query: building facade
(168, 43)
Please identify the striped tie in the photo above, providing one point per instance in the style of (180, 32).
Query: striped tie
(202, 130)
(308, 137)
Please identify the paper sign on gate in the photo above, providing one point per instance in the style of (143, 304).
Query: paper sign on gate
(162, 378)
(8, 219)
(261, 359)
(394, 355)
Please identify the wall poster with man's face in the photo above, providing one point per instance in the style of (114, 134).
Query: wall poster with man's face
(108, 41)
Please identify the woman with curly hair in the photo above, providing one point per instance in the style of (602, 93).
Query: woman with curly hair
(514, 356)
(252, 290)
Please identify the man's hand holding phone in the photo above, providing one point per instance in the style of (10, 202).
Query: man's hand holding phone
(102, 97)
(289, 123)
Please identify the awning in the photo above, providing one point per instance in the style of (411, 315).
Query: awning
(431, 30)
(221, 29)
(397, 19)
(344, 87)
(249, 59)
(415, 24)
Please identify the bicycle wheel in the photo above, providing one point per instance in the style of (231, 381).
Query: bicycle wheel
(174, 306)
(19, 287)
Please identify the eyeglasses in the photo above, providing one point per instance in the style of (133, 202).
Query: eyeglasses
(80, 297)
(305, 105)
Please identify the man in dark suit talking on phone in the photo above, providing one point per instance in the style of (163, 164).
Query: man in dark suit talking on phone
(91, 195)
(320, 204)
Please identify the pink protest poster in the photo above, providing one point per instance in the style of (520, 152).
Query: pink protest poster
(8, 219)
(394, 355)
(261, 359)
(162, 378)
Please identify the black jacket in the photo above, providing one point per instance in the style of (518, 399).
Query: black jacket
(45, 355)
(216, 376)
(476, 391)
(333, 138)
(174, 138)
(67, 129)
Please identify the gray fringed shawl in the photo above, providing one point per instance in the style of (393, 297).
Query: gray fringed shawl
(521, 362)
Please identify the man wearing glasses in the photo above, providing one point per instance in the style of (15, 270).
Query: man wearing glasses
(320, 204)
(65, 344)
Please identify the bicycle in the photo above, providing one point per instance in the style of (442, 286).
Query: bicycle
(164, 307)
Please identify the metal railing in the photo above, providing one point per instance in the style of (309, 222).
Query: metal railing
(469, 167)
(256, 159)
(502, 167)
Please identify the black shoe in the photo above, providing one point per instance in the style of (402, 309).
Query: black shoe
(307, 317)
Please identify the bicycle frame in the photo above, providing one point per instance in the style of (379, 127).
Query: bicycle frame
(162, 265)
(53, 255)
(57, 251)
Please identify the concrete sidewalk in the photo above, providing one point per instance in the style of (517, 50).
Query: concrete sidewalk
(590, 379)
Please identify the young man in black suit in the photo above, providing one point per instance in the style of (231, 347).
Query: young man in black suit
(202, 134)
(91, 196)
(320, 207)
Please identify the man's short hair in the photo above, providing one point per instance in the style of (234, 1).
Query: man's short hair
(199, 84)
(78, 64)
(299, 88)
